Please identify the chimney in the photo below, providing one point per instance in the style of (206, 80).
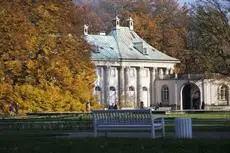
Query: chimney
(130, 20)
(86, 29)
(116, 22)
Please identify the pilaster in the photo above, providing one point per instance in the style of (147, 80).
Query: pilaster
(121, 85)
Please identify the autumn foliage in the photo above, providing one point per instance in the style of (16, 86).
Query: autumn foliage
(44, 63)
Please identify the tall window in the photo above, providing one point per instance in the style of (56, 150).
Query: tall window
(113, 71)
(131, 95)
(223, 92)
(132, 72)
(98, 94)
(112, 95)
(165, 94)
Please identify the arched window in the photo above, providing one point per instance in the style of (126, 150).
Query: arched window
(144, 89)
(112, 88)
(97, 88)
(131, 95)
(131, 88)
(165, 94)
(145, 96)
(112, 95)
(223, 92)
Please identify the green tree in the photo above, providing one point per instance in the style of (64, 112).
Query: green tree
(209, 37)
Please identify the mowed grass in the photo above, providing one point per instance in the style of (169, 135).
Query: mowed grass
(30, 144)
(208, 125)
(205, 115)
(82, 116)
(49, 141)
(215, 121)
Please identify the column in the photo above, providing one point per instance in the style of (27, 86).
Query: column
(152, 85)
(171, 71)
(138, 85)
(121, 85)
(106, 84)
(202, 93)
(167, 71)
(176, 93)
(126, 83)
(181, 100)
(161, 74)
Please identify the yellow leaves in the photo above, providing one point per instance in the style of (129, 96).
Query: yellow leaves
(14, 66)
(51, 98)
(32, 43)
(45, 62)
(31, 64)
(54, 7)
(5, 88)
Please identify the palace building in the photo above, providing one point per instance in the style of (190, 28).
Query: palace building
(130, 71)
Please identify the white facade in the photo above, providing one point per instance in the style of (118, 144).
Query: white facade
(214, 93)
(130, 71)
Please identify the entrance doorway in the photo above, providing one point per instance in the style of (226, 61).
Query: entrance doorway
(191, 96)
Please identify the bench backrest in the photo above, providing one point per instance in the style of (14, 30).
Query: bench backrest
(122, 117)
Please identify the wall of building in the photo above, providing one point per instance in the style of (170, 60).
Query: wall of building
(209, 89)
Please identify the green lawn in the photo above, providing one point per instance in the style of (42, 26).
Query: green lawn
(198, 115)
(45, 140)
(200, 121)
(207, 115)
(29, 144)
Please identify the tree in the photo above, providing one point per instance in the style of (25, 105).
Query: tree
(172, 21)
(45, 65)
(209, 36)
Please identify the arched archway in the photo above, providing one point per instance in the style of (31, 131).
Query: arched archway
(191, 98)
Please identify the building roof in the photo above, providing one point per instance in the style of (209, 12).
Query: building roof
(119, 45)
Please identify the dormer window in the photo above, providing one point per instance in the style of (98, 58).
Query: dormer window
(138, 46)
(96, 49)
(145, 51)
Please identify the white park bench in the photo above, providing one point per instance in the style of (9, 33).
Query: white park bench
(127, 120)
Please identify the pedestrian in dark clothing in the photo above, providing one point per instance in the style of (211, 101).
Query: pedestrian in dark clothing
(11, 109)
(141, 105)
(16, 108)
(202, 105)
(115, 106)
